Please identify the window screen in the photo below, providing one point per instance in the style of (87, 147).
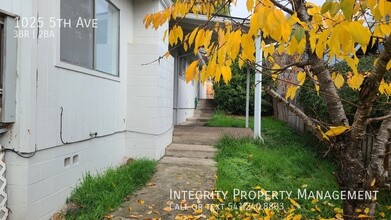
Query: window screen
(77, 43)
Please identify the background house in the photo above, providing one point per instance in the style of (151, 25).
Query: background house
(78, 99)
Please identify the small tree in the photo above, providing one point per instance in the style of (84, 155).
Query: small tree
(310, 32)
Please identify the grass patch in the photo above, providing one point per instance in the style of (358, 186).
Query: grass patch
(286, 161)
(97, 195)
(219, 119)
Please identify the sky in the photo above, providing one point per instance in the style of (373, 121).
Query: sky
(241, 11)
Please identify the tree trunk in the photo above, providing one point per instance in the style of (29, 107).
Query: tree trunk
(353, 176)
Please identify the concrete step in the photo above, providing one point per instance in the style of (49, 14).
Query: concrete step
(205, 109)
(198, 119)
(190, 150)
(206, 103)
(186, 161)
(193, 123)
(206, 106)
(202, 115)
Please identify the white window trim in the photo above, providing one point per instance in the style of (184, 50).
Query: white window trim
(79, 69)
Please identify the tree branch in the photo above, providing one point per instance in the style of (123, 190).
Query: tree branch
(368, 93)
(300, 64)
(282, 7)
(377, 119)
(377, 169)
(294, 109)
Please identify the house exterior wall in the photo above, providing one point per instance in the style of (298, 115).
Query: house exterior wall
(150, 88)
(91, 101)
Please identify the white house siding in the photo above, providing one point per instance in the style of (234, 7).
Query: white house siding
(150, 88)
(92, 102)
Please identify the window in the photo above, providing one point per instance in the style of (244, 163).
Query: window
(8, 50)
(89, 47)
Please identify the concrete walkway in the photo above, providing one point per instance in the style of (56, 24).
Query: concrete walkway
(187, 167)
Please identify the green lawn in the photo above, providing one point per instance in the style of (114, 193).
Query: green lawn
(286, 161)
(98, 195)
(219, 119)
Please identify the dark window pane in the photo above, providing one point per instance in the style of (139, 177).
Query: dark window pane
(77, 43)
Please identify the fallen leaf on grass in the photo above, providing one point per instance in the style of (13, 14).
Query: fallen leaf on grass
(197, 211)
(167, 209)
(135, 216)
(109, 216)
(141, 201)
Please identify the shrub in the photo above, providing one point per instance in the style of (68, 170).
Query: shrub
(231, 97)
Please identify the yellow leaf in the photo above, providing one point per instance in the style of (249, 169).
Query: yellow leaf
(325, 7)
(167, 209)
(355, 81)
(362, 216)
(382, 214)
(373, 182)
(358, 210)
(338, 210)
(313, 39)
(366, 210)
(301, 77)
(241, 62)
(167, 54)
(388, 67)
(191, 71)
(335, 6)
(338, 80)
(198, 211)
(192, 36)
(347, 8)
(199, 41)
(371, 3)
(250, 5)
(335, 131)
(141, 201)
(301, 46)
(387, 89)
(291, 92)
(360, 34)
(295, 203)
(297, 217)
(274, 76)
(382, 8)
(226, 72)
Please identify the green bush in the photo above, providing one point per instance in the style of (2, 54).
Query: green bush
(231, 97)
(315, 106)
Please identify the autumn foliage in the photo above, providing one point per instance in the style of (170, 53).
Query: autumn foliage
(315, 35)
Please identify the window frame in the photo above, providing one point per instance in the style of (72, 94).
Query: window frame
(63, 64)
